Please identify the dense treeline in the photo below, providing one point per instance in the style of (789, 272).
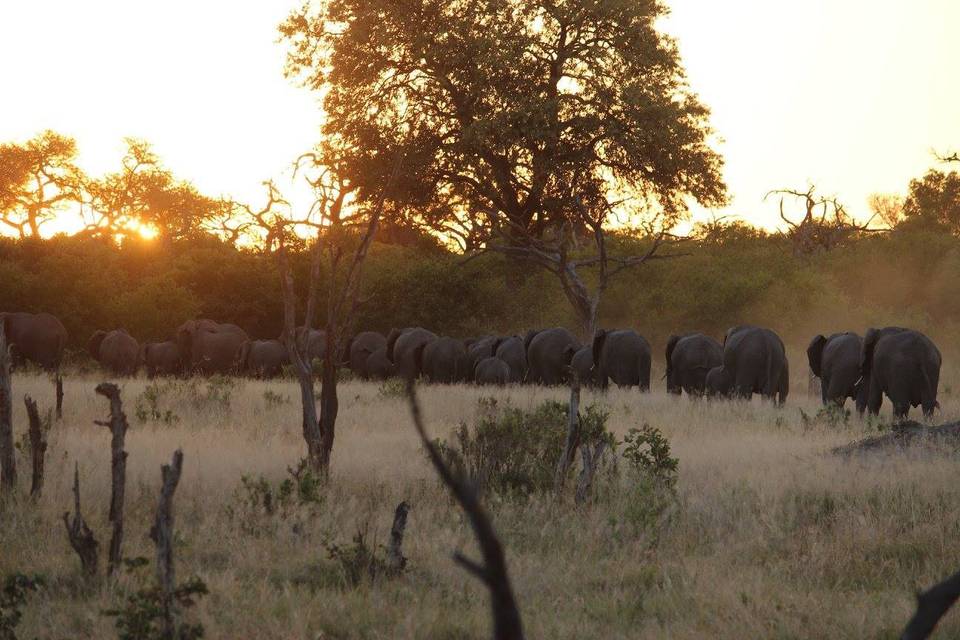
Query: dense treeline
(726, 275)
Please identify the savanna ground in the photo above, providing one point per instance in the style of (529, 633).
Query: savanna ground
(771, 535)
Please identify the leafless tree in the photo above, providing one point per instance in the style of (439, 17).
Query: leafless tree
(117, 424)
(825, 223)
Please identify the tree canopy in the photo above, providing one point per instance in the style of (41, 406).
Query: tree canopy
(532, 121)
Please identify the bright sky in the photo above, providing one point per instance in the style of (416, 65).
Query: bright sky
(851, 95)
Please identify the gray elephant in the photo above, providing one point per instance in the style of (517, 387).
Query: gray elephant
(316, 343)
(903, 364)
(754, 361)
(443, 361)
(378, 365)
(209, 347)
(689, 358)
(403, 346)
(360, 348)
(160, 358)
(39, 338)
(492, 370)
(477, 350)
(622, 356)
(548, 354)
(117, 351)
(262, 358)
(581, 361)
(836, 361)
(510, 350)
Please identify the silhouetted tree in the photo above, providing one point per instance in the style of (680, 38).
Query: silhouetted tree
(824, 224)
(38, 180)
(543, 123)
(935, 197)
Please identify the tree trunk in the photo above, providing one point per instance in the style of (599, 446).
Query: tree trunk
(8, 461)
(81, 537)
(162, 536)
(38, 446)
(573, 432)
(59, 391)
(118, 469)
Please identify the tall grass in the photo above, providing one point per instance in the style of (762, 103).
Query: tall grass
(771, 535)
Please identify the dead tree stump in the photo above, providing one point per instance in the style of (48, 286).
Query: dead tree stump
(59, 389)
(38, 446)
(573, 432)
(396, 562)
(81, 537)
(118, 467)
(8, 461)
(162, 536)
(590, 455)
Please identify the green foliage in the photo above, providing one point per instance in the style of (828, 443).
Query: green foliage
(274, 399)
(13, 597)
(147, 407)
(650, 497)
(213, 394)
(141, 615)
(648, 452)
(514, 452)
(832, 415)
(361, 561)
(392, 388)
(257, 501)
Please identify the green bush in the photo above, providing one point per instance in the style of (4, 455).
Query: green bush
(13, 597)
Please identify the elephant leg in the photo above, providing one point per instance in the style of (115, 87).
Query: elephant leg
(875, 397)
(900, 409)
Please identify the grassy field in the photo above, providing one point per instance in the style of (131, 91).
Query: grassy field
(771, 535)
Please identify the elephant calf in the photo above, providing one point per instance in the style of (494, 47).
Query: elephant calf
(903, 364)
(117, 351)
(622, 356)
(492, 370)
(836, 361)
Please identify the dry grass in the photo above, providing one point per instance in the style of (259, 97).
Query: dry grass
(772, 537)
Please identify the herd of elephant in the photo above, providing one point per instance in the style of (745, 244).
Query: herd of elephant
(902, 364)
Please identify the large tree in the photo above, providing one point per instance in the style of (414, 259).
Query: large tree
(935, 197)
(38, 180)
(541, 124)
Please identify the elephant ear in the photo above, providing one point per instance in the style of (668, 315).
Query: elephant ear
(599, 338)
(815, 354)
(495, 345)
(568, 352)
(392, 340)
(866, 351)
(671, 345)
(93, 344)
(527, 339)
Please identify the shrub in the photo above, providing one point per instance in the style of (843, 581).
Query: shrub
(832, 415)
(651, 492)
(256, 498)
(359, 560)
(13, 597)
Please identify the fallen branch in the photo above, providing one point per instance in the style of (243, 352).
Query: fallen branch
(931, 606)
(118, 468)
(396, 562)
(81, 537)
(493, 571)
(38, 446)
(904, 435)
(162, 536)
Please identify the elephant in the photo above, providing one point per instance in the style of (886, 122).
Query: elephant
(581, 361)
(359, 349)
(36, 337)
(262, 358)
(689, 358)
(316, 343)
(378, 366)
(548, 353)
(492, 370)
(209, 347)
(117, 351)
(510, 350)
(836, 361)
(160, 358)
(622, 356)
(903, 364)
(477, 350)
(754, 361)
(402, 348)
(443, 360)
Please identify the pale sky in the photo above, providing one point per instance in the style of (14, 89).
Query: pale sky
(851, 95)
